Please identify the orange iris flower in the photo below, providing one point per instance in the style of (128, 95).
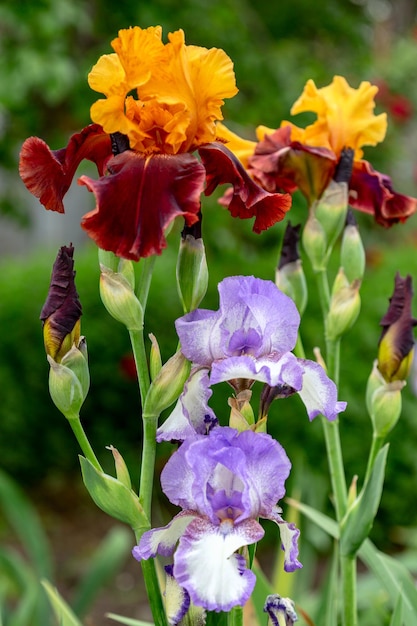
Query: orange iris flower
(161, 104)
(291, 157)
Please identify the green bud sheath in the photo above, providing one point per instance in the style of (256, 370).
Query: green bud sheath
(192, 272)
(119, 299)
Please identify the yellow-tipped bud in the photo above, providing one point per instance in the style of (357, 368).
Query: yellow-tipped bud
(396, 344)
(241, 413)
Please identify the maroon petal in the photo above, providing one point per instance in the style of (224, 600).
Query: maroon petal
(372, 192)
(281, 164)
(48, 173)
(139, 197)
(248, 199)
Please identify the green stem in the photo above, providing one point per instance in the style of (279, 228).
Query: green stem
(299, 348)
(153, 590)
(336, 466)
(150, 423)
(348, 567)
(141, 361)
(85, 446)
(149, 443)
(144, 283)
(335, 460)
(324, 291)
(235, 616)
(377, 442)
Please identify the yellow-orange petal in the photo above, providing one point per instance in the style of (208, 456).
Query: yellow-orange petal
(136, 48)
(346, 112)
(213, 79)
(241, 148)
(107, 76)
(110, 115)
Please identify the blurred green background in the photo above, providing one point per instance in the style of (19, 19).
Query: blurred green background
(46, 50)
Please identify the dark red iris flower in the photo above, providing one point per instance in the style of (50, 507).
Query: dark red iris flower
(281, 164)
(138, 195)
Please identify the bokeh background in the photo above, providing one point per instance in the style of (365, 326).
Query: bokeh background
(46, 51)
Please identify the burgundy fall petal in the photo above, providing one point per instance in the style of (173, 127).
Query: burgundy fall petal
(373, 194)
(248, 199)
(48, 173)
(139, 197)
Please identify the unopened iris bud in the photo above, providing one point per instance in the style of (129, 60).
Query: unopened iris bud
(344, 307)
(315, 243)
(122, 472)
(62, 310)
(352, 254)
(396, 344)
(66, 349)
(330, 210)
(192, 271)
(241, 414)
(69, 380)
(168, 384)
(155, 359)
(118, 297)
(281, 611)
(289, 277)
(383, 401)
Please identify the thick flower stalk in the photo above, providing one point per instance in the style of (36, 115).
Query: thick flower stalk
(249, 338)
(223, 483)
(160, 106)
(292, 157)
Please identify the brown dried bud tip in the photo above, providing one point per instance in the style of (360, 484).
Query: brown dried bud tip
(344, 167)
(62, 309)
(194, 229)
(289, 250)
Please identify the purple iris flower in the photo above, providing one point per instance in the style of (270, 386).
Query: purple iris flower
(223, 481)
(249, 338)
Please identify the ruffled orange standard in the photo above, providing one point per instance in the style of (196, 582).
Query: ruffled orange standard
(161, 104)
(178, 91)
